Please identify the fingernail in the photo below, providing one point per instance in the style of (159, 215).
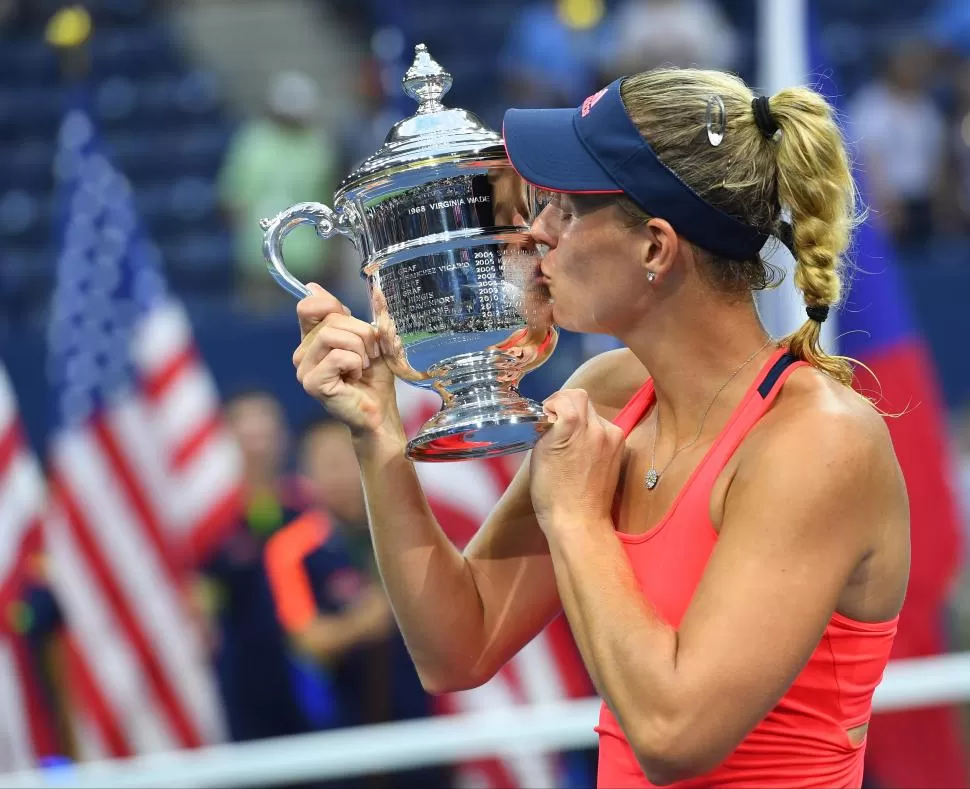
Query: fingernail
(347, 310)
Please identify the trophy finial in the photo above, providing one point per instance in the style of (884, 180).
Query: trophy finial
(426, 81)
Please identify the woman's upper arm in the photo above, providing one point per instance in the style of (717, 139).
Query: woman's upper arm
(798, 521)
(509, 557)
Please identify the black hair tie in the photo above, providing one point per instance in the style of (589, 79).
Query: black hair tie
(763, 117)
(818, 313)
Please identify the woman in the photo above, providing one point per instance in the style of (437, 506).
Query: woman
(728, 533)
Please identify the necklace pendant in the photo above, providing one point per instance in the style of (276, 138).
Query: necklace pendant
(651, 479)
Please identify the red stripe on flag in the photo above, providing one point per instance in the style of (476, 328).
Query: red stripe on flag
(510, 675)
(497, 775)
(92, 701)
(36, 705)
(187, 449)
(40, 721)
(206, 535)
(136, 496)
(10, 442)
(572, 672)
(155, 384)
(500, 470)
(458, 525)
(180, 722)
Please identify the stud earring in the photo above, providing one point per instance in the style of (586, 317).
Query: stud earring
(651, 276)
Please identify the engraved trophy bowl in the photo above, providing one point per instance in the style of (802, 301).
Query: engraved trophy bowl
(440, 221)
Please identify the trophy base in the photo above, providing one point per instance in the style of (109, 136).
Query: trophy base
(500, 423)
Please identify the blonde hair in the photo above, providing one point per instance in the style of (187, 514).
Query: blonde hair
(803, 169)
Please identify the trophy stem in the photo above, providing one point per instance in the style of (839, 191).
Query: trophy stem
(481, 417)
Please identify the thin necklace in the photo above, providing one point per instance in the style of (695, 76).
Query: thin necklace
(652, 477)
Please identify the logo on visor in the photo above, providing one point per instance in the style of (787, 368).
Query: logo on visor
(591, 102)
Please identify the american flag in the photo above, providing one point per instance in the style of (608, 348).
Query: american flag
(142, 473)
(25, 727)
(548, 668)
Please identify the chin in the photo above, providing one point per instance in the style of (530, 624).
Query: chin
(574, 320)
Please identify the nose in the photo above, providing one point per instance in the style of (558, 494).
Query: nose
(545, 228)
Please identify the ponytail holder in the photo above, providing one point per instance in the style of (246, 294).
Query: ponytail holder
(818, 313)
(763, 117)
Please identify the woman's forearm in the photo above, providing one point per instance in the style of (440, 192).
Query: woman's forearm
(429, 584)
(629, 651)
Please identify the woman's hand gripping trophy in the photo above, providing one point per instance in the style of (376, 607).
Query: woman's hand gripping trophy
(339, 363)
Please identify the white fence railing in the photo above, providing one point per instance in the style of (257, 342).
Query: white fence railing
(369, 749)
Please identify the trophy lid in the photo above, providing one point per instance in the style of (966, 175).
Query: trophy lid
(434, 132)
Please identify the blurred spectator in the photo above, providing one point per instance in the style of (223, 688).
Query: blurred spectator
(250, 652)
(554, 52)
(328, 609)
(328, 462)
(273, 162)
(266, 690)
(39, 620)
(377, 680)
(679, 33)
(901, 137)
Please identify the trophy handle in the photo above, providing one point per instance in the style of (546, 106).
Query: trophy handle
(327, 223)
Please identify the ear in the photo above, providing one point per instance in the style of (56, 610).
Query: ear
(660, 249)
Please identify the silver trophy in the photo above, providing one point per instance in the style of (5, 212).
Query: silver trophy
(440, 220)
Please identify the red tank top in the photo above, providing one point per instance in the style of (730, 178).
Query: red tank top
(803, 741)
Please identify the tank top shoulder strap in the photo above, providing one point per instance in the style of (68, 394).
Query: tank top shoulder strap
(635, 408)
(755, 405)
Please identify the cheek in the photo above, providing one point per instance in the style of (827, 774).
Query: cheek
(596, 276)
(604, 296)
(629, 293)
(579, 257)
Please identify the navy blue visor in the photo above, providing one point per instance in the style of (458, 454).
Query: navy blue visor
(597, 149)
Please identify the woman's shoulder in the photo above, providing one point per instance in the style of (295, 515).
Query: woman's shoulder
(610, 378)
(809, 390)
(814, 410)
(823, 456)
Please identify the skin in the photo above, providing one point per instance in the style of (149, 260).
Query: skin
(822, 456)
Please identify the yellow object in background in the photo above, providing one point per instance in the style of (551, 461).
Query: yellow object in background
(70, 27)
(581, 14)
